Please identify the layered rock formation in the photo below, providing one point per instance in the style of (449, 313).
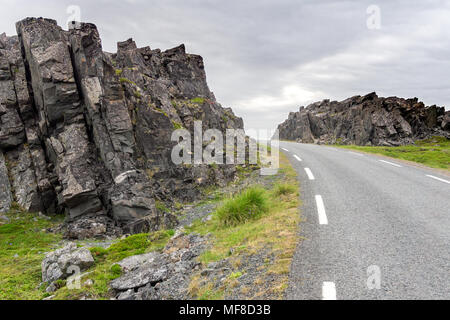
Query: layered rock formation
(88, 133)
(366, 120)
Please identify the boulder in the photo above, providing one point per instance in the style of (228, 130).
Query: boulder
(64, 262)
(92, 226)
(156, 276)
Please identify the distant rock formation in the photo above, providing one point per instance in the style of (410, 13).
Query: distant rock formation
(366, 120)
(88, 133)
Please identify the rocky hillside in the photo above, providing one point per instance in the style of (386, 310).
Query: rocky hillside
(366, 120)
(88, 133)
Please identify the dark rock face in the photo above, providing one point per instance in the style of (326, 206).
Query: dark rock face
(88, 133)
(366, 120)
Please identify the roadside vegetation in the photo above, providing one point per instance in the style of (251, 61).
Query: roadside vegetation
(252, 221)
(23, 242)
(433, 152)
(256, 218)
(105, 268)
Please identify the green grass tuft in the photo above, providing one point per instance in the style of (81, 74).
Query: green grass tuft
(177, 125)
(161, 207)
(116, 270)
(249, 204)
(282, 189)
(198, 100)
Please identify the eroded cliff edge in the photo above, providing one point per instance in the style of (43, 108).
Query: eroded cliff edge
(366, 120)
(88, 133)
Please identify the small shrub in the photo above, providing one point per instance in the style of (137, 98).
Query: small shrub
(98, 251)
(161, 207)
(60, 283)
(249, 204)
(177, 125)
(137, 94)
(198, 100)
(284, 189)
(116, 271)
(235, 275)
(125, 80)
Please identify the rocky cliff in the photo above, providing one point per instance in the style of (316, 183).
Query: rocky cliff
(366, 120)
(88, 133)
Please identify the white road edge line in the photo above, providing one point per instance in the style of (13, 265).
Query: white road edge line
(358, 154)
(433, 177)
(309, 173)
(321, 210)
(296, 157)
(285, 149)
(328, 291)
(392, 164)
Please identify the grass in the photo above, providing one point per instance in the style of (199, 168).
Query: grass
(282, 189)
(161, 207)
(137, 94)
(253, 220)
(250, 204)
(433, 152)
(125, 80)
(177, 125)
(274, 228)
(106, 267)
(198, 100)
(23, 243)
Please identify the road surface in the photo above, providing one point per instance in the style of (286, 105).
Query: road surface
(374, 228)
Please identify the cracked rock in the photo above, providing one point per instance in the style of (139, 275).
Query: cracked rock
(64, 262)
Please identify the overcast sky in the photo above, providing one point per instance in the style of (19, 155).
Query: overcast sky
(265, 58)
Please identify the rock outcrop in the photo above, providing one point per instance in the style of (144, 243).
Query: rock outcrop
(161, 276)
(366, 120)
(88, 133)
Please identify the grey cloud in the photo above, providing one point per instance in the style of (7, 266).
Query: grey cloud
(266, 58)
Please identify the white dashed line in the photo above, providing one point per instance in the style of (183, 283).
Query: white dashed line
(392, 164)
(358, 154)
(328, 291)
(309, 173)
(321, 210)
(285, 149)
(442, 180)
(296, 157)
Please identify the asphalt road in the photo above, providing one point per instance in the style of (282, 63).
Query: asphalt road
(372, 229)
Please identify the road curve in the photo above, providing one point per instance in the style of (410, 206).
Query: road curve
(374, 228)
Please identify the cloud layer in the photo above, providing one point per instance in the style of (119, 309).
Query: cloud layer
(265, 58)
